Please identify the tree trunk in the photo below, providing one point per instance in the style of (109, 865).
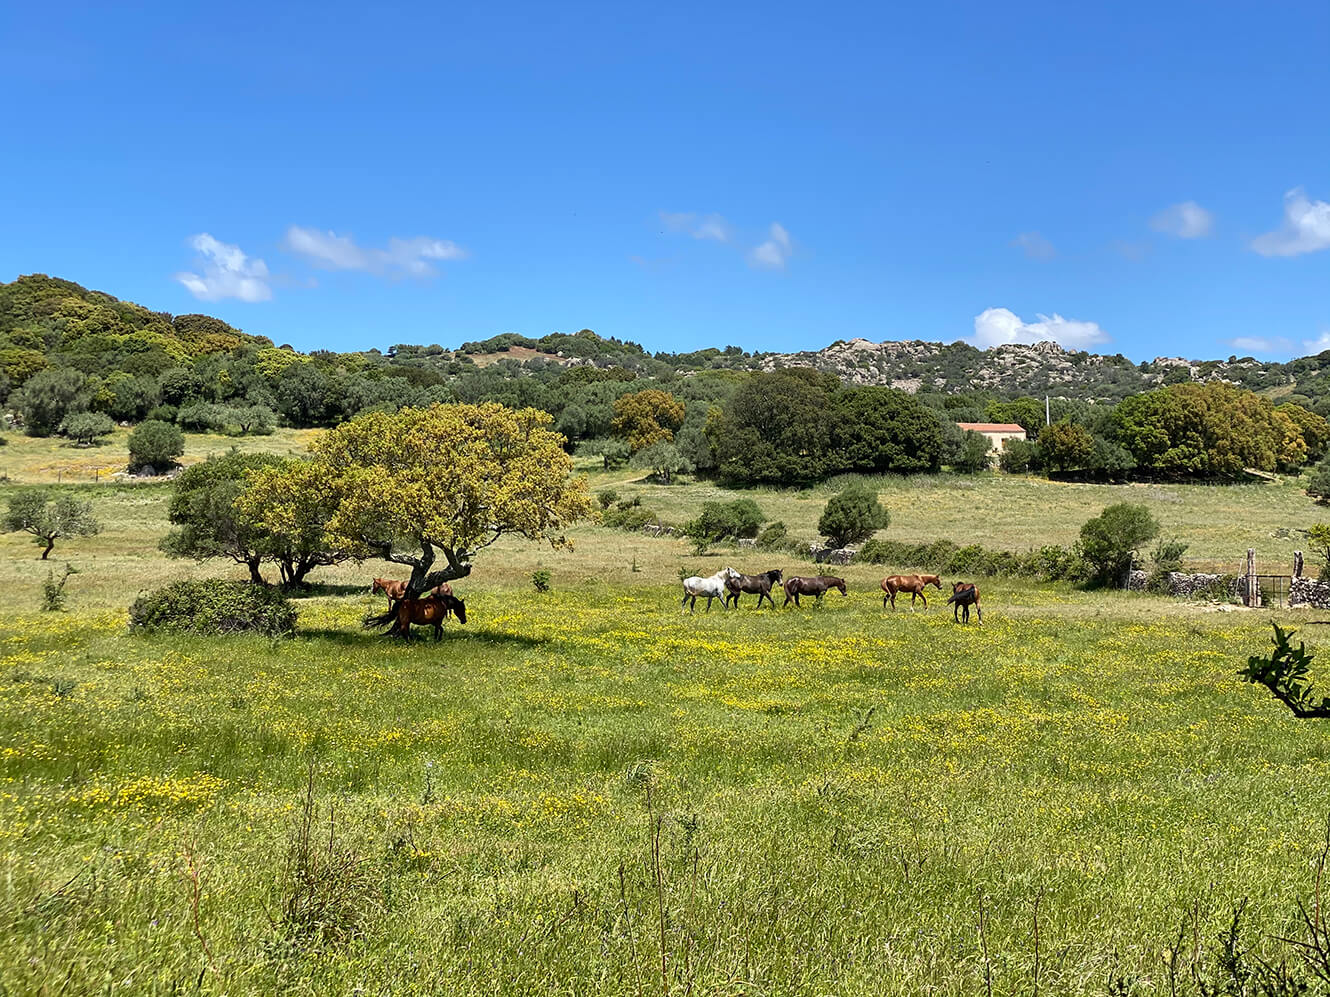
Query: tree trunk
(50, 543)
(254, 576)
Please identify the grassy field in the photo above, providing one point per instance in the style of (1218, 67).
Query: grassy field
(589, 792)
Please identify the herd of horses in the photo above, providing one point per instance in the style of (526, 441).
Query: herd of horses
(433, 608)
(728, 584)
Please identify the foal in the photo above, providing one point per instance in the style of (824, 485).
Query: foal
(964, 595)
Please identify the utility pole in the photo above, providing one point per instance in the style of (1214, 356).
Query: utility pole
(1048, 421)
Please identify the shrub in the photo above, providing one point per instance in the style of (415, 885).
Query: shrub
(53, 589)
(615, 454)
(853, 515)
(540, 578)
(1017, 457)
(773, 536)
(1318, 482)
(214, 606)
(740, 519)
(607, 497)
(155, 444)
(631, 517)
(1109, 541)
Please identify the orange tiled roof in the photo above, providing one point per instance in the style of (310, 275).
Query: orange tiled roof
(992, 427)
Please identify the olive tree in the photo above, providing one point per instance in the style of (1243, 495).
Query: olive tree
(50, 519)
(427, 485)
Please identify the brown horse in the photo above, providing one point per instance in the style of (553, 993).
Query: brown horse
(761, 584)
(964, 595)
(395, 589)
(818, 585)
(433, 611)
(914, 584)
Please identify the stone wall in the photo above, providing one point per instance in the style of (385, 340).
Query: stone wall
(1309, 592)
(1186, 585)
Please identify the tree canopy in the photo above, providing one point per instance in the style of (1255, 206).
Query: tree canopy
(418, 485)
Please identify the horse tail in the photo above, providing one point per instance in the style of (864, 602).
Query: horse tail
(380, 619)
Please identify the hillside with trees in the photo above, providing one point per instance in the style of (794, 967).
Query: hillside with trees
(74, 360)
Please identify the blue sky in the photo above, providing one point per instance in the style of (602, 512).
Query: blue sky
(1144, 178)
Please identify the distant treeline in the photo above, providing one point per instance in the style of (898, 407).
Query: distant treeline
(65, 351)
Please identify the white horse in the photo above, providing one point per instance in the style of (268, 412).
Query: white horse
(712, 587)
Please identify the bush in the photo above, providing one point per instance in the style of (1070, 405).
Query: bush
(1109, 541)
(853, 515)
(156, 444)
(53, 589)
(214, 606)
(1018, 457)
(631, 517)
(607, 497)
(773, 536)
(740, 519)
(1318, 482)
(540, 578)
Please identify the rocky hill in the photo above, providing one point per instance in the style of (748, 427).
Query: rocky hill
(1042, 368)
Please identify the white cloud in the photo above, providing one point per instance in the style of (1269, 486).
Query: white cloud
(330, 251)
(999, 327)
(1036, 247)
(775, 252)
(1318, 345)
(712, 226)
(1187, 220)
(1306, 228)
(1260, 344)
(227, 272)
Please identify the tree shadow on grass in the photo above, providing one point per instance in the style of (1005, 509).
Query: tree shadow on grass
(420, 635)
(316, 589)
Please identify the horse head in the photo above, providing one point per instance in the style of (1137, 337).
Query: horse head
(934, 580)
(376, 587)
(840, 584)
(458, 607)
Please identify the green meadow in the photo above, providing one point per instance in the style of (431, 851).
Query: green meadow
(588, 791)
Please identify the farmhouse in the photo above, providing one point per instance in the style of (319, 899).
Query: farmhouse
(998, 433)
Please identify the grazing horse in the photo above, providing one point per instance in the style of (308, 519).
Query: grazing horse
(395, 589)
(433, 611)
(713, 587)
(914, 584)
(965, 595)
(761, 584)
(796, 586)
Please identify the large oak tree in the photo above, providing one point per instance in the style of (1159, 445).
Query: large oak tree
(431, 487)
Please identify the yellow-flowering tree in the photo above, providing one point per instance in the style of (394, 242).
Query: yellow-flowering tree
(647, 417)
(431, 486)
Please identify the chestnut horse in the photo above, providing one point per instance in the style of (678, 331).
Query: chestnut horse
(432, 611)
(914, 584)
(796, 586)
(395, 589)
(965, 595)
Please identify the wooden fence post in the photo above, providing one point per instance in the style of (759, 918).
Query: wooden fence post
(1253, 592)
(1297, 564)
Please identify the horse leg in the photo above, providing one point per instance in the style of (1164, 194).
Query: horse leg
(979, 610)
(925, 598)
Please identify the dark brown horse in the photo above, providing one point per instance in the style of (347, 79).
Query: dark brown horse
(817, 585)
(433, 611)
(395, 589)
(761, 584)
(914, 584)
(963, 596)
